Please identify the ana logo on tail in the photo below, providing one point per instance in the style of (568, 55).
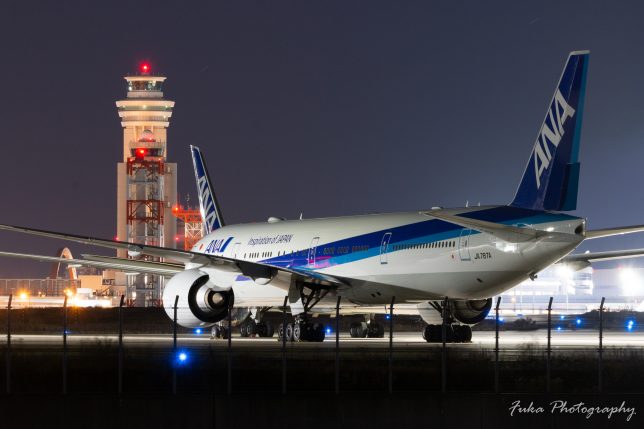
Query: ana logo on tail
(550, 134)
(209, 213)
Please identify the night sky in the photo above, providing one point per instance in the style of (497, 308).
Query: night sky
(326, 108)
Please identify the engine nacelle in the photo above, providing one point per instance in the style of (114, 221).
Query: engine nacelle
(201, 302)
(472, 311)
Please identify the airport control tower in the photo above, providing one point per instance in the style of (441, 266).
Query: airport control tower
(147, 183)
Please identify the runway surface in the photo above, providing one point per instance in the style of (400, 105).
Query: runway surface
(480, 339)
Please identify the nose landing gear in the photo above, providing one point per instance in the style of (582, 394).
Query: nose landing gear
(370, 329)
(251, 328)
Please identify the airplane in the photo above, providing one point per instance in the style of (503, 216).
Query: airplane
(453, 259)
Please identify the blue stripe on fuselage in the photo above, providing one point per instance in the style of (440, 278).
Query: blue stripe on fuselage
(429, 231)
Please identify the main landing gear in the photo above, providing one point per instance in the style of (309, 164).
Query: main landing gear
(454, 333)
(302, 330)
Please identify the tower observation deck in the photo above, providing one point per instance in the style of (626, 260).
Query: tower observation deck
(146, 182)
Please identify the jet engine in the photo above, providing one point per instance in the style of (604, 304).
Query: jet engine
(471, 312)
(201, 302)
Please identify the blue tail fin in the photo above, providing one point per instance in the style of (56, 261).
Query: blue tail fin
(551, 177)
(210, 213)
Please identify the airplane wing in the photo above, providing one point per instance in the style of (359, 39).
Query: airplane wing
(607, 232)
(247, 268)
(162, 252)
(127, 265)
(508, 233)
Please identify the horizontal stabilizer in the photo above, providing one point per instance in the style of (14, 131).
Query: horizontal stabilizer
(511, 234)
(608, 232)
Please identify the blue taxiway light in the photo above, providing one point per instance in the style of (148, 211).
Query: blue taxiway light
(501, 319)
(198, 331)
(181, 358)
(562, 317)
(578, 321)
(558, 328)
(328, 330)
(629, 325)
(387, 316)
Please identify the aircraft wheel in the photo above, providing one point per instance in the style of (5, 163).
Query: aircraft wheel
(375, 330)
(289, 332)
(318, 333)
(251, 328)
(270, 330)
(242, 330)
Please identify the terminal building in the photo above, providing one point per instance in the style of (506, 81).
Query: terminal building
(146, 181)
(576, 292)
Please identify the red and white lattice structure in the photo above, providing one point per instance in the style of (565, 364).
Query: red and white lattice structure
(192, 225)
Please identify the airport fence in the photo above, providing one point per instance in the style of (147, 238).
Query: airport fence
(68, 362)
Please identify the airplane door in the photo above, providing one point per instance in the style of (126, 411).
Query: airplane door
(235, 250)
(464, 244)
(384, 244)
(314, 245)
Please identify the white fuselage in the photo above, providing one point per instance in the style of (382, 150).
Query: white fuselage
(411, 256)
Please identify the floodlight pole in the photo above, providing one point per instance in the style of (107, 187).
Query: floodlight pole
(548, 350)
(496, 346)
(601, 345)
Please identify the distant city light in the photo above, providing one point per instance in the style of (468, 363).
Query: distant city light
(23, 295)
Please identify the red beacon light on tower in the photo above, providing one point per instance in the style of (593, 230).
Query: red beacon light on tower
(145, 68)
(141, 152)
